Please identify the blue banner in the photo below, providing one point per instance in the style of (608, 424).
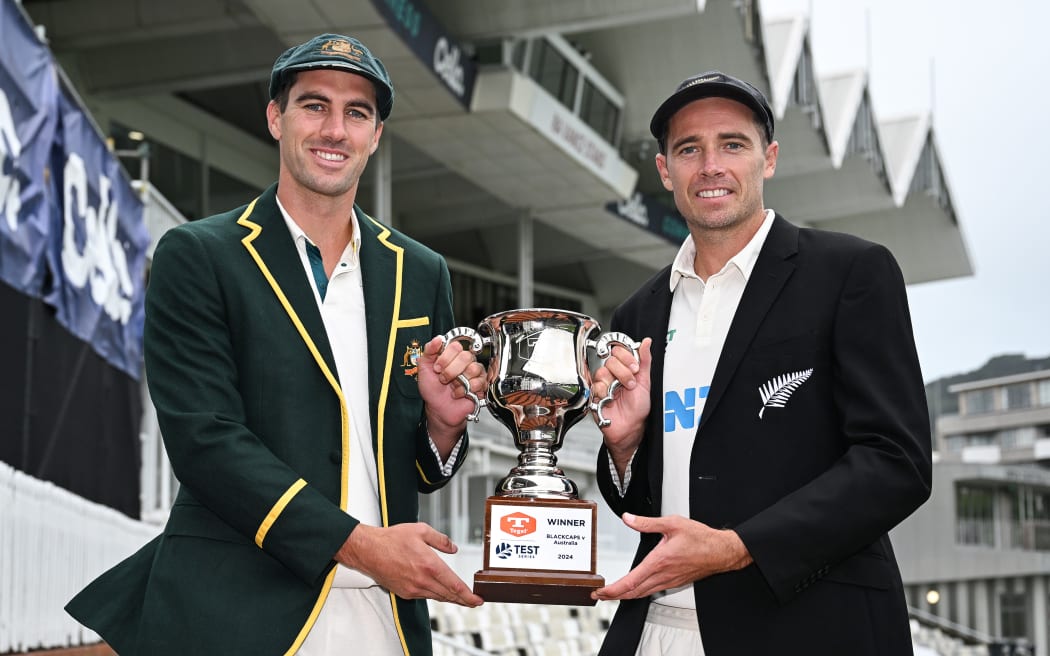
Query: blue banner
(97, 248)
(426, 38)
(28, 104)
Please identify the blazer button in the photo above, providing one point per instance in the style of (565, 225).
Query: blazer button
(336, 457)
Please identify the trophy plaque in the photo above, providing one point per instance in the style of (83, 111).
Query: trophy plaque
(540, 542)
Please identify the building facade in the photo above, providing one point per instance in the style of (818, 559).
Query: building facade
(977, 554)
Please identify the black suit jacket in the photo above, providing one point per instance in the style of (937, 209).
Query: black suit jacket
(812, 487)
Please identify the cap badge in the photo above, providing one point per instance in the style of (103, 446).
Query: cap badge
(342, 48)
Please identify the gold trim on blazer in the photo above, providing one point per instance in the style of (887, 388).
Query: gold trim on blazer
(256, 230)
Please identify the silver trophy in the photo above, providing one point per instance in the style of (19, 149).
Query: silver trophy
(539, 386)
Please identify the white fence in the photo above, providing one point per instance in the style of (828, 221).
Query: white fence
(52, 543)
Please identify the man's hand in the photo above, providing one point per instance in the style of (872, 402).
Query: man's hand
(401, 558)
(447, 405)
(689, 551)
(631, 402)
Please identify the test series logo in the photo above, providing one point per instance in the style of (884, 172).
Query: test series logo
(517, 524)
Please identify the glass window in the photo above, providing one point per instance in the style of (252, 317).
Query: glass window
(1019, 396)
(599, 112)
(517, 55)
(489, 53)
(554, 73)
(475, 298)
(977, 402)
(479, 488)
(1016, 438)
(436, 509)
(1044, 392)
(1013, 613)
(974, 515)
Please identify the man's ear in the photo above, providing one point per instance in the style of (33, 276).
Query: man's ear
(665, 175)
(772, 151)
(375, 139)
(273, 116)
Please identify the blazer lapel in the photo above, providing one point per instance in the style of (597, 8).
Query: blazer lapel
(381, 263)
(771, 271)
(655, 323)
(271, 247)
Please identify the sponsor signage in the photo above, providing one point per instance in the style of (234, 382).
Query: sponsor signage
(426, 38)
(540, 537)
(28, 91)
(652, 215)
(71, 227)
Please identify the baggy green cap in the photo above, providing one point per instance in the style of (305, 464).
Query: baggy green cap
(340, 52)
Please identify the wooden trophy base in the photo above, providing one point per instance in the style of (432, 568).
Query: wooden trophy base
(525, 587)
(539, 551)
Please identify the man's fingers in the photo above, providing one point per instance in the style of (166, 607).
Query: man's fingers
(629, 587)
(622, 371)
(647, 524)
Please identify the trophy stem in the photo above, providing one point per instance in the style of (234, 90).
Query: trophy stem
(537, 475)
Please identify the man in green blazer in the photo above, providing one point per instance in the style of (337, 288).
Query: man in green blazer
(303, 404)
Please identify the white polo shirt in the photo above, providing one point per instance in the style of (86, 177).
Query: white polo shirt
(701, 313)
(357, 610)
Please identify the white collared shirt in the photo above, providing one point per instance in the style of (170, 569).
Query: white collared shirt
(701, 313)
(724, 293)
(343, 313)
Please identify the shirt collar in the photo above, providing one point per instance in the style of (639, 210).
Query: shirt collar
(744, 261)
(300, 238)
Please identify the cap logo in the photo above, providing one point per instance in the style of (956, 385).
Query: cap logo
(342, 48)
(701, 80)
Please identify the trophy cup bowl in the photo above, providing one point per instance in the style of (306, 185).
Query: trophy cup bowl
(538, 385)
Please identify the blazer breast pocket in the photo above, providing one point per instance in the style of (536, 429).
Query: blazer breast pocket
(788, 374)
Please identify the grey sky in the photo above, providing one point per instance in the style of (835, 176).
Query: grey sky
(990, 99)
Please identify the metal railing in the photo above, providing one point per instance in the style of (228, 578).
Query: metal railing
(52, 543)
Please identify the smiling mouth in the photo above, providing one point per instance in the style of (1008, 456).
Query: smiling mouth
(331, 157)
(712, 193)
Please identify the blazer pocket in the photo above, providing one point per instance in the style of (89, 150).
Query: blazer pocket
(865, 568)
(197, 521)
(779, 345)
(412, 335)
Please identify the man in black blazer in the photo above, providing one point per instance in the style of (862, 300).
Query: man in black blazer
(302, 402)
(775, 428)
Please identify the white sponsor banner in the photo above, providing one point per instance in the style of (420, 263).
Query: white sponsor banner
(540, 537)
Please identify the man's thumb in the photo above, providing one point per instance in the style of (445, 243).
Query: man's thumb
(640, 524)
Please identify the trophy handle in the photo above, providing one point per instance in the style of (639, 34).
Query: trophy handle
(604, 351)
(472, 340)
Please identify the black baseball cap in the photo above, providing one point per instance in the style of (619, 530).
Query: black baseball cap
(707, 85)
(335, 51)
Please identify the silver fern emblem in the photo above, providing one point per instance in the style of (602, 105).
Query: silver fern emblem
(775, 393)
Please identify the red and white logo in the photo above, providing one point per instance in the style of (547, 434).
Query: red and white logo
(517, 524)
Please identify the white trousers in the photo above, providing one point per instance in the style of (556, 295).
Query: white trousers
(670, 631)
(354, 621)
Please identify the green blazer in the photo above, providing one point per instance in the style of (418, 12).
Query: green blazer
(256, 426)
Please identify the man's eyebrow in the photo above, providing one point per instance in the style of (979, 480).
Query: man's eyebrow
(362, 104)
(722, 136)
(734, 136)
(321, 97)
(689, 138)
